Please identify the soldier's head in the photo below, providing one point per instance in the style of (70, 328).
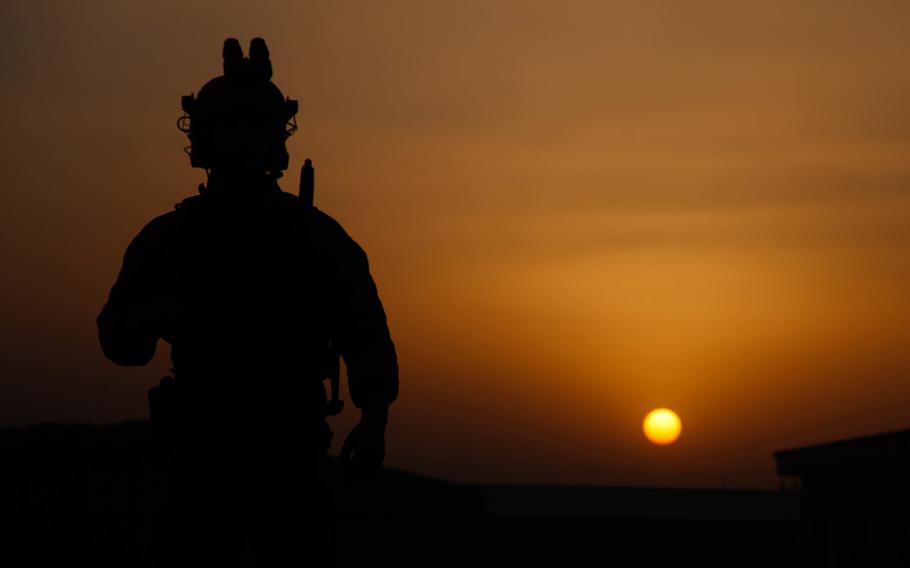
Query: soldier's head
(240, 121)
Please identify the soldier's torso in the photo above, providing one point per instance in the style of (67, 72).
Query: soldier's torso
(255, 332)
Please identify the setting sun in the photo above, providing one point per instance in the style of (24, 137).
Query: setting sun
(662, 426)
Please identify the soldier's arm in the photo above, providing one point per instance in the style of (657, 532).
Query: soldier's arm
(361, 328)
(129, 324)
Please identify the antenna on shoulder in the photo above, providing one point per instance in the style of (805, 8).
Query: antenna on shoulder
(333, 357)
(307, 182)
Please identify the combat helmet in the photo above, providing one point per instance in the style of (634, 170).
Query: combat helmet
(242, 96)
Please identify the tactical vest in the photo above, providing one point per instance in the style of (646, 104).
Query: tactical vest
(256, 343)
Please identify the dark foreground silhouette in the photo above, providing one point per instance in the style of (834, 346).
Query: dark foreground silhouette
(258, 293)
(84, 495)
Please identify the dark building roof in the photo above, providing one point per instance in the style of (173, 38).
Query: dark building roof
(880, 452)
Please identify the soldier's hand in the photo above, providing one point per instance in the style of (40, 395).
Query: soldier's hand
(363, 450)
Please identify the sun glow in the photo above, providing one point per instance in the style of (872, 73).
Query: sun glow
(662, 426)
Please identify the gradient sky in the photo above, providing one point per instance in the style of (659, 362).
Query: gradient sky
(575, 212)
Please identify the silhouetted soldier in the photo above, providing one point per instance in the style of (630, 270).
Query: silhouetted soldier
(257, 292)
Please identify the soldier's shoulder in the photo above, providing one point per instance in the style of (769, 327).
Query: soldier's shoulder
(163, 227)
(160, 226)
(324, 221)
(325, 227)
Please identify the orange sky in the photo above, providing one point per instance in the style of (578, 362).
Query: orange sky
(574, 215)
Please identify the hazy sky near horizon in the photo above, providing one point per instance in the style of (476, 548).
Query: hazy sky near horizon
(575, 212)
